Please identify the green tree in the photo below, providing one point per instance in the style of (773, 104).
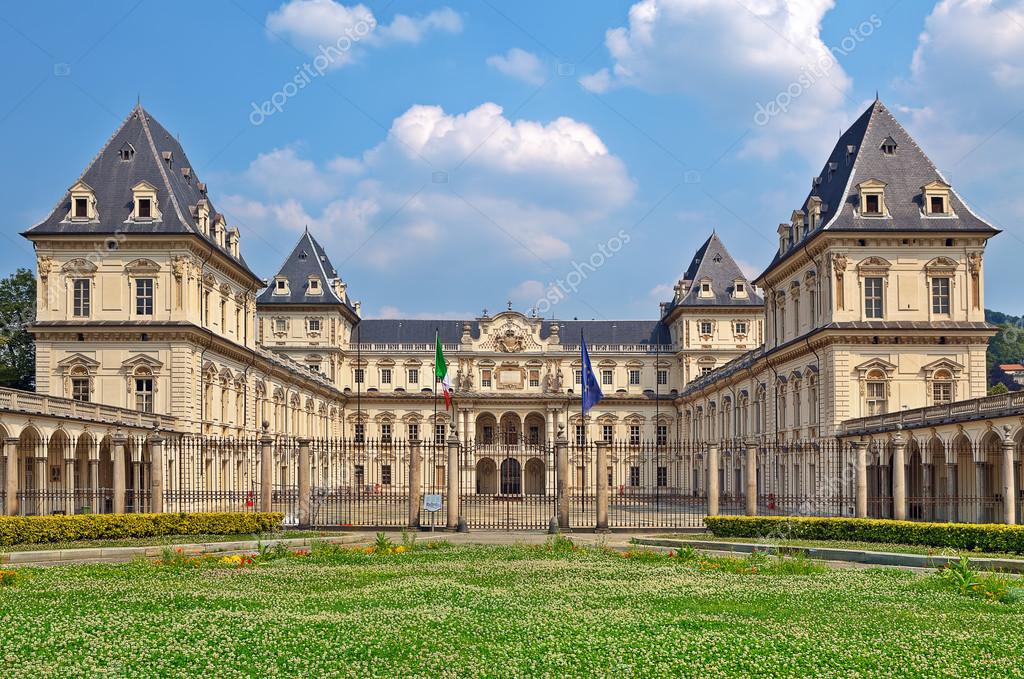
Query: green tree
(998, 388)
(17, 349)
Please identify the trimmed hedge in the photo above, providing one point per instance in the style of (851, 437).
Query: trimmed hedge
(15, 530)
(968, 536)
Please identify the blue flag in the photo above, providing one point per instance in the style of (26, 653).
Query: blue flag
(590, 389)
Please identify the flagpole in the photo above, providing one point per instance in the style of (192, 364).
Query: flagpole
(433, 434)
(359, 383)
(583, 382)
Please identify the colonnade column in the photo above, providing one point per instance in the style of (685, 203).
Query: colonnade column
(1009, 481)
(11, 480)
(751, 491)
(70, 499)
(860, 449)
(899, 476)
(952, 504)
(120, 442)
(713, 486)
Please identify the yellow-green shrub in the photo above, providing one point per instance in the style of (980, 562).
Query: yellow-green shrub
(970, 536)
(15, 530)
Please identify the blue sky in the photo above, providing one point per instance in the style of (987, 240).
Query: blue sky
(455, 155)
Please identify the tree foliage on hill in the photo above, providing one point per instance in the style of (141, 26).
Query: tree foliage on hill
(1006, 346)
(17, 349)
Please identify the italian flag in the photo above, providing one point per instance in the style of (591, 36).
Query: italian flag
(441, 372)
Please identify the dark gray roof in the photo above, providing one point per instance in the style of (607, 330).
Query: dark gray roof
(308, 258)
(712, 261)
(450, 332)
(112, 179)
(857, 157)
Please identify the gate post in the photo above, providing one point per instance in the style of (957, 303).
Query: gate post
(562, 462)
(120, 441)
(751, 478)
(860, 449)
(601, 474)
(156, 473)
(453, 481)
(712, 479)
(899, 476)
(305, 493)
(266, 469)
(11, 480)
(415, 483)
(1009, 482)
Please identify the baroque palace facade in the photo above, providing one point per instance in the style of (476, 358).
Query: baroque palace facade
(873, 302)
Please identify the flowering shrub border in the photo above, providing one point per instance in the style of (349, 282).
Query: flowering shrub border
(968, 536)
(16, 530)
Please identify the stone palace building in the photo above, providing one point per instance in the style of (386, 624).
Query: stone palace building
(873, 301)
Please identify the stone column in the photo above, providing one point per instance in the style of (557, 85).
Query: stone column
(860, 450)
(601, 474)
(120, 442)
(1009, 482)
(562, 484)
(549, 434)
(11, 480)
(415, 483)
(713, 486)
(899, 476)
(751, 491)
(156, 473)
(266, 470)
(41, 477)
(952, 503)
(928, 504)
(453, 481)
(305, 490)
(980, 492)
(69, 481)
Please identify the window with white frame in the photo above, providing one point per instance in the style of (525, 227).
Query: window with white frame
(144, 392)
(580, 440)
(80, 388)
(144, 296)
(534, 378)
(942, 387)
(313, 325)
(940, 295)
(578, 372)
(661, 436)
(634, 376)
(413, 429)
(385, 375)
(873, 291)
(634, 434)
(606, 376)
(485, 378)
(662, 377)
(359, 376)
(634, 476)
(280, 325)
(705, 327)
(385, 432)
(440, 430)
(877, 393)
(740, 328)
(607, 431)
(360, 432)
(82, 297)
(414, 375)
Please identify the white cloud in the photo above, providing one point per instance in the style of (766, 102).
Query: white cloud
(339, 33)
(738, 58)
(519, 64)
(389, 311)
(528, 292)
(525, 188)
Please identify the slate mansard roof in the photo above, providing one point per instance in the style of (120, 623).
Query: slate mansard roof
(308, 258)
(596, 332)
(858, 157)
(111, 178)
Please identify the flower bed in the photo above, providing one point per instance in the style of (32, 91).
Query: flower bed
(15, 530)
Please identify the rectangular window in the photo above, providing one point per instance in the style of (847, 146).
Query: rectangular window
(385, 475)
(579, 435)
(144, 394)
(662, 436)
(606, 432)
(439, 433)
(812, 307)
(145, 208)
(634, 476)
(534, 378)
(741, 328)
(662, 477)
(314, 325)
(385, 375)
(485, 378)
(705, 327)
(414, 431)
(81, 207)
(662, 377)
(414, 375)
(634, 434)
(940, 296)
(144, 296)
(705, 369)
(314, 367)
(359, 376)
(634, 377)
(938, 206)
(488, 434)
(360, 476)
(578, 374)
(385, 432)
(80, 389)
(872, 204)
(873, 307)
(876, 398)
(606, 376)
(281, 325)
(82, 290)
(942, 393)
(360, 434)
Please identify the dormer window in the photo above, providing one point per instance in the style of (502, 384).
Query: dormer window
(936, 198)
(127, 152)
(83, 202)
(705, 289)
(314, 287)
(144, 202)
(739, 290)
(81, 208)
(281, 285)
(872, 198)
(889, 146)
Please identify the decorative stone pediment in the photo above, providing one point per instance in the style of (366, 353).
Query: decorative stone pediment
(876, 364)
(78, 267)
(142, 266)
(952, 366)
(78, 359)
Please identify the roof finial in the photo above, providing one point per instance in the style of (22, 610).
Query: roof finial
(876, 94)
(307, 228)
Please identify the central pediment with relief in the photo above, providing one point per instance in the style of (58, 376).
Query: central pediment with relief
(510, 332)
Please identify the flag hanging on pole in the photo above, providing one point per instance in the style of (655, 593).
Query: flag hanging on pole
(589, 386)
(441, 373)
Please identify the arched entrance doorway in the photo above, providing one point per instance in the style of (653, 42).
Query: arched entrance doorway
(510, 427)
(486, 477)
(511, 477)
(534, 477)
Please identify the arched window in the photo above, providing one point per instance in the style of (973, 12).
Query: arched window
(877, 389)
(942, 387)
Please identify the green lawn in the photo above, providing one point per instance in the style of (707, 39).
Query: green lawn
(498, 611)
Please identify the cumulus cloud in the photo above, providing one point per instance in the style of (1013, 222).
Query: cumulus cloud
(740, 60)
(519, 64)
(440, 184)
(341, 32)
